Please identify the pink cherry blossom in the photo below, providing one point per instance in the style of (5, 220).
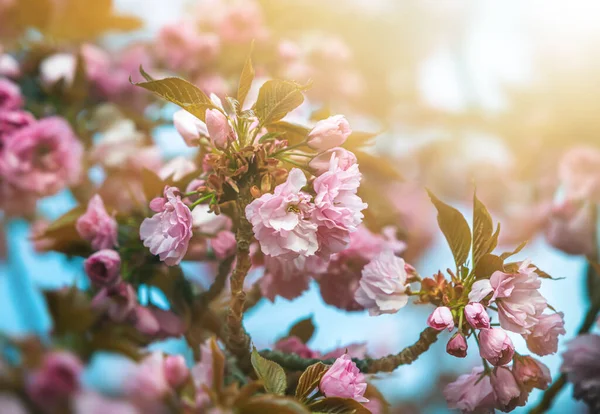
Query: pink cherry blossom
(281, 221)
(343, 379)
(168, 233)
(441, 318)
(457, 345)
(97, 226)
(543, 339)
(531, 373)
(219, 130)
(293, 345)
(176, 169)
(9, 66)
(11, 121)
(283, 277)
(519, 302)
(477, 316)
(176, 370)
(471, 392)
(189, 127)
(10, 95)
(89, 402)
(581, 364)
(320, 163)
(579, 172)
(495, 346)
(223, 244)
(329, 133)
(97, 62)
(148, 380)
(571, 228)
(337, 207)
(56, 380)
(183, 47)
(242, 22)
(506, 390)
(118, 301)
(383, 285)
(103, 267)
(43, 157)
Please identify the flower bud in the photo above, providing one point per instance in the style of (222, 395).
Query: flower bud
(343, 379)
(103, 268)
(531, 373)
(189, 127)
(495, 346)
(176, 370)
(321, 162)
(441, 318)
(457, 346)
(329, 133)
(477, 316)
(218, 128)
(506, 390)
(56, 380)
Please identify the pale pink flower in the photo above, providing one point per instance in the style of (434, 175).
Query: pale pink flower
(242, 22)
(10, 95)
(97, 62)
(219, 130)
(11, 121)
(148, 380)
(176, 169)
(441, 318)
(281, 221)
(477, 316)
(168, 233)
(183, 47)
(471, 392)
(213, 83)
(89, 402)
(60, 66)
(506, 390)
(337, 207)
(144, 321)
(531, 373)
(9, 66)
(579, 172)
(543, 339)
(56, 380)
(103, 268)
(383, 285)
(457, 345)
(572, 229)
(97, 226)
(176, 370)
(293, 345)
(581, 364)
(43, 157)
(495, 346)
(329, 133)
(203, 375)
(223, 244)
(519, 302)
(283, 277)
(320, 163)
(189, 127)
(343, 379)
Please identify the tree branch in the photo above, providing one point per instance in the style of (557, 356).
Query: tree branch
(388, 363)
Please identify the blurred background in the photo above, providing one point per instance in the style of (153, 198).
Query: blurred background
(465, 93)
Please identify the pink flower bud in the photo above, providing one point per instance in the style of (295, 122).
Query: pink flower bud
(441, 318)
(496, 346)
(10, 95)
(531, 373)
(103, 267)
(457, 346)
(189, 127)
(218, 128)
(96, 226)
(176, 371)
(477, 316)
(223, 244)
(329, 133)
(321, 162)
(56, 380)
(118, 301)
(506, 390)
(344, 379)
(145, 321)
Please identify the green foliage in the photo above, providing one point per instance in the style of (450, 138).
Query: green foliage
(276, 99)
(303, 329)
(339, 406)
(271, 404)
(483, 228)
(310, 379)
(246, 79)
(271, 373)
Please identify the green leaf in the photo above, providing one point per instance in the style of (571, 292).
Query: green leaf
(303, 329)
(276, 99)
(270, 404)
(483, 227)
(339, 406)
(520, 247)
(271, 373)
(310, 379)
(293, 133)
(455, 229)
(246, 78)
(488, 264)
(180, 92)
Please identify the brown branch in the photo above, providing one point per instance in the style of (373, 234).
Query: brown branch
(218, 285)
(388, 363)
(253, 297)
